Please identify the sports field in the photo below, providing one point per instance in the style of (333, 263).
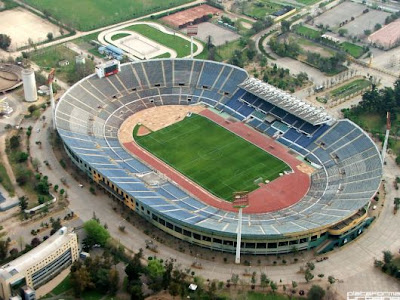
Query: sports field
(213, 157)
(89, 14)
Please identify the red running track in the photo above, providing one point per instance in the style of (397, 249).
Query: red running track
(276, 195)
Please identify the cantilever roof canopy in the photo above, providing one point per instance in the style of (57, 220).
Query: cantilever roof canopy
(283, 100)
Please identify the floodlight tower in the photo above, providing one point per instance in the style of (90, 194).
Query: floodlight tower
(240, 201)
(191, 31)
(50, 79)
(388, 126)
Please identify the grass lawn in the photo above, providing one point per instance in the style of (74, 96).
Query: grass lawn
(350, 88)
(353, 49)
(63, 286)
(49, 57)
(225, 51)
(307, 2)
(85, 15)
(308, 32)
(212, 156)
(180, 45)
(371, 122)
(5, 181)
(119, 36)
(262, 8)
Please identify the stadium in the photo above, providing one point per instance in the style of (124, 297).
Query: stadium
(309, 178)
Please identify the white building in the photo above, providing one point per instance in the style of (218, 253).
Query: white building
(39, 265)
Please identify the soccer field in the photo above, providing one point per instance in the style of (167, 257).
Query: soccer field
(90, 14)
(213, 157)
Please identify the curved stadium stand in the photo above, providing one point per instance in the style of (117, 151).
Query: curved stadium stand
(334, 210)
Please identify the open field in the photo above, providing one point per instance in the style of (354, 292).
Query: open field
(339, 14)
(87, 14)
(211, 156)
(352, 49)
(309, 46)
(308, 32)
(47, 58)
(350, 88)
(6, 181)
(262, 8)
(180, 45)
(366, 21)
(32, 27)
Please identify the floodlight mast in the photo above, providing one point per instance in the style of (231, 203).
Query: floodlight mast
(50, 79)
(240, 201)
(191, 31)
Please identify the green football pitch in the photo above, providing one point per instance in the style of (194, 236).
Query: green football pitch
(213, 157)
(86, 15)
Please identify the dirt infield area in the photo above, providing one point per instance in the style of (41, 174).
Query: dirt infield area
(276, 195)
(7, 80)
(191, 15)
(21, 25)
(154, 119)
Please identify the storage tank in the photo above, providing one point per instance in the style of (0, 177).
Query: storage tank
(28, 79)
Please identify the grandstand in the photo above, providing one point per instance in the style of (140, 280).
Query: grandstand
(10, 77)
(333, 211)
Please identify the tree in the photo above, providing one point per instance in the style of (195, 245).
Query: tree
(134, 267)
(316, 293)
(235, 279)
(294, 284)
(308, 275)
(377, 26)
(80, 279)
(285, 26)
(343, 31)
(35, 242)
(4, 244)
(273, 286)
(321, 275)
(14, 142)
(331, 279)
(155, 269)
(5, 41)
(310, 265)
(22, 156)
(50, 36)
(264, 280)
(96, 233)
(23, 203)
(387, 256)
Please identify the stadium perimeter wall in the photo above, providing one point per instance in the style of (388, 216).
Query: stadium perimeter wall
(217, 240)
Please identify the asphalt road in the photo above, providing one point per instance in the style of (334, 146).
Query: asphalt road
(352, 264)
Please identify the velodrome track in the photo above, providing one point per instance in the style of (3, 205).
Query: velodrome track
(104, 37)
(89, 114)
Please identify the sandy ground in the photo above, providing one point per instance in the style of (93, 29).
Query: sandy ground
(155, 118)
(21, 25)
(139, 45)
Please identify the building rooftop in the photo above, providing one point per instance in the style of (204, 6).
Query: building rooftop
(30, 258)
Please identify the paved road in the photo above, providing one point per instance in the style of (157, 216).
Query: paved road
(352, 264)
(5, 55)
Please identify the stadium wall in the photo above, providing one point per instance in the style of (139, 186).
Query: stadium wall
(216, 240)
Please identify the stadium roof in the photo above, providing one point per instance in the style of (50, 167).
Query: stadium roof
(285, 101)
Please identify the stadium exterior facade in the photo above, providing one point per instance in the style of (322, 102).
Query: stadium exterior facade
(334, 210)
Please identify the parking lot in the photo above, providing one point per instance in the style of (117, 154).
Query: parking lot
(219, 35)
(340, 13)
(366, 21)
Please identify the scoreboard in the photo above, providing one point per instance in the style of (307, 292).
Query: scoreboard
(108, 68)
